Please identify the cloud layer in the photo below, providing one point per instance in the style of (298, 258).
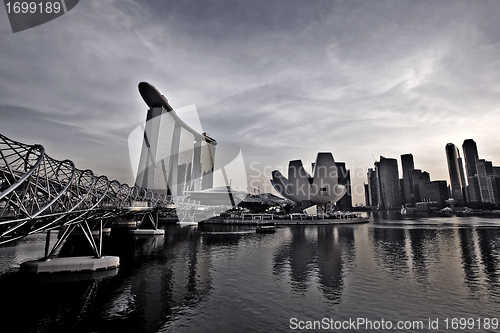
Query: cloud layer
(284, 79)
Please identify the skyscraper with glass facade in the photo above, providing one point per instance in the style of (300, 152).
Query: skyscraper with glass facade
(388, 176)
(456, 172)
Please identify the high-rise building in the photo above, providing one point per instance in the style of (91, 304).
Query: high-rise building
(496, 173)
(469, 148)
(174, 157)
(344, 178)
(367, 194)
(402, 189)
(373, 188)
(455, 169)
(417, 179)
(487, 181)
(388, 175)
(462, 176)
(407, 165)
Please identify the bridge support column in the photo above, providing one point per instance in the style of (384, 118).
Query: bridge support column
(100, 237)
(155, 231)
(47, 244)
(72, 264)
(67, 231)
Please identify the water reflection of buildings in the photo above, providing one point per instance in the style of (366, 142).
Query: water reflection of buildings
(470, 261)
(404, 250)
(190, 270)
(158, 276)
(424, 245)
(390, 249)
(334, 247)
(489, 248)
(468, 253)
(480, 261)
(408, 251)
(322, 249)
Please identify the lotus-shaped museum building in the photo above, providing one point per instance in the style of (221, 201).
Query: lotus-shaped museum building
(306, 190)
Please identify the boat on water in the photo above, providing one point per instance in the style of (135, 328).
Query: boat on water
(187, 224)
(266, 228)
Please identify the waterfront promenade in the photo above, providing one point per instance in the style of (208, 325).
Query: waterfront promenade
(285, 221)
(291, 219)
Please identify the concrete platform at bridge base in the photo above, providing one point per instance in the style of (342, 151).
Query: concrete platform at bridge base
(71, 264)
(78, 232)
(147, 232)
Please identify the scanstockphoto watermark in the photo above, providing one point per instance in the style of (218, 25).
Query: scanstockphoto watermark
(257, 172)
(470, 323)
(359, 324)
(313, 189)
(329, 171)
(166, 152)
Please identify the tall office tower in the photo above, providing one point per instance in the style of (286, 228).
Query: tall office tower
(344, 178)
(373, 187)
(455, 169)
(367, 194)
(402, 189)
(379, 190)
(496, 173)
(417, 179)
(408, 165)
(462, 177)
(388, 174)
(487, 181)
(469, 148)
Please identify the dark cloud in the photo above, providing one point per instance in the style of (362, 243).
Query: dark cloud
(63, 139)
(217, 21)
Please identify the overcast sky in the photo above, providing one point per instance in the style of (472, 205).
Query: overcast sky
(284, 79)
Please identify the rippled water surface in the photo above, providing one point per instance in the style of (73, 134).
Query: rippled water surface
(230, 279)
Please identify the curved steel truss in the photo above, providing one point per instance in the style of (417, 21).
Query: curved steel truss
(39, 193)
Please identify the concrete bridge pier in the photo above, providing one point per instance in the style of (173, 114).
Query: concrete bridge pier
(148, 217)
(48, 264)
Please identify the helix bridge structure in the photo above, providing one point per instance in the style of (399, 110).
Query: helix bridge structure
(39, 193)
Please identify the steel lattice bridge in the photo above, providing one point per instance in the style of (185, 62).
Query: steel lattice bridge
(39, 194)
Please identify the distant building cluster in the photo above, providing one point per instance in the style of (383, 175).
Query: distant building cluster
(482, 184)
(385, 190)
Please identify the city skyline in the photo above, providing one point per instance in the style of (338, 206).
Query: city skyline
(368, 79)
(384, 188)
